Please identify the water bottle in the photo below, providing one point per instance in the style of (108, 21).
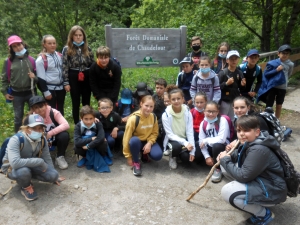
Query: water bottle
(9, 91)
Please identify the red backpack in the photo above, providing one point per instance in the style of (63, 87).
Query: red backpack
(231, 128)
(44, 57)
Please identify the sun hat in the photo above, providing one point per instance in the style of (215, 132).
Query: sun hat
(34, 120)
(232, 53)
(126, 96)
(13, 39)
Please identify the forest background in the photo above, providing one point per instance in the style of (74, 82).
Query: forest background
(244, 24)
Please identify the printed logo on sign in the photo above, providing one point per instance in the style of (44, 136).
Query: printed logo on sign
(147, 61)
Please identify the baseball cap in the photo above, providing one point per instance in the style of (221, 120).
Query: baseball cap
(34, 120)
(13, 39)
(252, 52)
(284, 48)
(186, 60)
(126, 96)
(232, 53)
(36, 99)
(141, 89)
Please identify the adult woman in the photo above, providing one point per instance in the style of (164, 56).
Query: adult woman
(18, 79)
(33, 161)
(77, 59)
(56, 128)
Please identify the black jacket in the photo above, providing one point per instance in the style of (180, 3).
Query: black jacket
(111, 121)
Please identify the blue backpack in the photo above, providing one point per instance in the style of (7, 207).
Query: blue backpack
(243, 68)
(4, 145)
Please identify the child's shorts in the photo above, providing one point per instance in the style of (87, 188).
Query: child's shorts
(275, 94)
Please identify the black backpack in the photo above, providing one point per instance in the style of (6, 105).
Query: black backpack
(291, 176)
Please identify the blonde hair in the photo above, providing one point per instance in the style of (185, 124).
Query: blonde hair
(71, 49)
(106, 100)
(44, 39)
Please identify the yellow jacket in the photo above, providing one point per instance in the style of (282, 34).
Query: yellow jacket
(147, 130)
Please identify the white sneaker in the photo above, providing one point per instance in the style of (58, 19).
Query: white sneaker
(61, 162)
(172, 162)
(167, 152)
(217, 176)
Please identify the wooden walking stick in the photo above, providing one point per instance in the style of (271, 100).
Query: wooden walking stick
(210, 173)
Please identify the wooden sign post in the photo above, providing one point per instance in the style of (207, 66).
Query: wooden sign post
(147, 47)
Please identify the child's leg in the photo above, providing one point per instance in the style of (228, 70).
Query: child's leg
(110, 140)
(75, 94)
(86, 89)
(216, 149)
(80, 151)
(235, 194)
(198, 155)
(270, 97)
(185, 157)
(135, 146)
(22, 175)
(50, 175)
(279, 101)
(176, 148)
(62, 141)
(155, 152)
(119, 139)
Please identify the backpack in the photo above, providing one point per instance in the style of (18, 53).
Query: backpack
(117, 61)
(243, 68)
(137, 120)
(45, 60)
(291, 176)
(231, 128)
(273, 124)
(21, 140)
(8, 66)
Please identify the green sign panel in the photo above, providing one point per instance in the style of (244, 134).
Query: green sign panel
(147, 61)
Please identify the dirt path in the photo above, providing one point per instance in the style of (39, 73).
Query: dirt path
(158, 197)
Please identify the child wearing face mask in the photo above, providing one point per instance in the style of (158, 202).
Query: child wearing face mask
(219, 63)
(90, 142)
(196, 54)
(18, 77)
(214, 135)
(206, 81)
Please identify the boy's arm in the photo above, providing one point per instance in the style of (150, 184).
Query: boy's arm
(193, 88)
(100, 136)
(178, 82)
(216, 90)
(79, 142)
(93, 80)
(223, 79)
(130, 127)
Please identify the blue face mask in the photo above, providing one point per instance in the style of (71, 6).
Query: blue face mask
(211, 121)
(75, 43)
(83, 125)
(35, 135)
(20, 53)
(223, 56)
(199, 110)
(205, 70)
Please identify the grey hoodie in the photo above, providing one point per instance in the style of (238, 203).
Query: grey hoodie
(259, 168)
(288, 67)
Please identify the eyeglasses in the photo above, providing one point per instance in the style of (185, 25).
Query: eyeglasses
(211, 112)
(105, 108)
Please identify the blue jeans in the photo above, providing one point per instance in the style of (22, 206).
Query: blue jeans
(136, 146)
(18, 104)
(114, 141)
(24, 175)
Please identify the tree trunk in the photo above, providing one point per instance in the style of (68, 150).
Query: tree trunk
(291, 24)
(265, 44)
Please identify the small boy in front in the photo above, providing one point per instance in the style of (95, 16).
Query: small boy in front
(90, 143)
(275, 79)
(232, 83)
(185, 78)
(111, 122)
(251, 72)
(160, 88)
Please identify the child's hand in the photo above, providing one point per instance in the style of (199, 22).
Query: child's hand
(251, 94)
(243, 82)
(96, 120)
(279, 68)
(49, 97)
(221, 155)
(190, 103)
(189, 147)
(230, 81)
(129, 162)
(67, 88)
(93, 138)
(9, 97)
(114, 133)
(147, 148)
(124, 120)
(85, 148)
(192, 157)
(31, 74)
(230, 146)
(209, 161)
(202, 144)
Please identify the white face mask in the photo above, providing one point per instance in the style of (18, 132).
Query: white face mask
(35, 135)
(20, 53)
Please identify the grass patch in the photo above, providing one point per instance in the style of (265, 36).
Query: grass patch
(295, 79)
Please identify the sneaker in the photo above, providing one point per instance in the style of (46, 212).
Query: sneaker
(172, 162)
(108, 160)
(145, 158)
(217, 176)
(167, 152)
(61, 162)
(81, 162)
(29, 193)
(137, 171)
(261, 220)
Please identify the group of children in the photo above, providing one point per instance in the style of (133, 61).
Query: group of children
(197, 120)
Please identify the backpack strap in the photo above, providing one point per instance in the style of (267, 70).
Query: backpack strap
(52, 118)
(32, 62)
(45, 60)
(137, 120)
(182, 78)
(21, 140)
(8, 67)
(42, 146)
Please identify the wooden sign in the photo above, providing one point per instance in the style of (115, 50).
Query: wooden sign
(146, 47)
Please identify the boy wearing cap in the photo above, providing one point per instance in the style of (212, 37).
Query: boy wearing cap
(56, 127)
(17, 76)
(275, 79)
(141, 90)
(251, 71)
(125, 106)
(160, 88)
(184, 79)
(32, 161)
(232, 82)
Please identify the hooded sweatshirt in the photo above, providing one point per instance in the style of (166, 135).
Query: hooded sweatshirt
(146, 130)
(288, 67)
(259, 169)
(206, 85)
